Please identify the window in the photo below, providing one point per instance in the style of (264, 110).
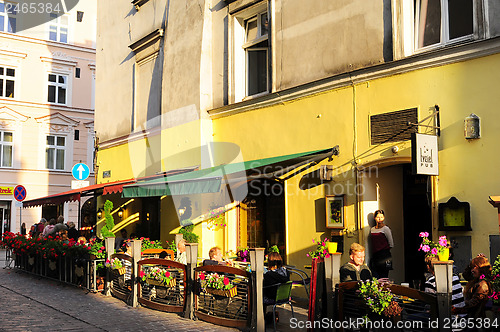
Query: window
(58, 29)
(7, 82)
(8, 17)
(256, 52)
(440, 22)
(54, 152)
(6, 149)
(58, 85)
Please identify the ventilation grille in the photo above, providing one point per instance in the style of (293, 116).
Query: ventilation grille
(393, 126)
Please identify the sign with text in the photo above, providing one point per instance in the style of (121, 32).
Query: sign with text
(6, 190)
(75, 184)
(424, 154)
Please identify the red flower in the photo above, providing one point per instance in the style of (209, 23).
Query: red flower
(226, 281)
(202, 276)
(142, 274)
(167, 274)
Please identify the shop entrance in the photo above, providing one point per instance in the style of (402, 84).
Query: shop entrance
(417, 215)
(5, 216)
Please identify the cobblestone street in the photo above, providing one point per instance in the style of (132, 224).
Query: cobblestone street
(31, 303)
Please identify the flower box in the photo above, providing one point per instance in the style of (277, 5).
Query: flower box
(154, 282)
(121, 270)
(222, 292)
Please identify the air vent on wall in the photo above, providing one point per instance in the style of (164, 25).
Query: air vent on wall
(393, 126)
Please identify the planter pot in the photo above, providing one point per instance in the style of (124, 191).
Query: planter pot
(222, 292)
(170, 283)
(445, 255)
(332, 247)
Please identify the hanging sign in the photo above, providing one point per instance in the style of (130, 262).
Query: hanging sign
(424, 154)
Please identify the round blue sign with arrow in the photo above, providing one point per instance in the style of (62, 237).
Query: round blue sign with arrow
(19, 193)
(80, 171)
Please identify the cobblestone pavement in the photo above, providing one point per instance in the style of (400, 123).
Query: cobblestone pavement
(31, 303)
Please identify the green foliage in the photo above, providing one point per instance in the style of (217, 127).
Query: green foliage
(274, 249)
(495, 281)
(110, 222)
(172, 246)
(321, 250)
(148, 244)
(188, 235)
(379, 298)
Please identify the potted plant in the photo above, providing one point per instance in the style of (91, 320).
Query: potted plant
(116, 265)
(243, 254)
(439, 249)
(321, 250)
(379, 299)
(216, 284)
(158, 276)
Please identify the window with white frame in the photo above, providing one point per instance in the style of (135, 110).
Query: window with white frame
(55, 152)
(58, 28)
(58, 86)
(251, 55)
(7, 82)
(257, 54)
(441, 22)
(6, 146)
(8, 17)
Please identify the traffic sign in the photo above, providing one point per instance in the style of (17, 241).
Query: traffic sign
(19, 193)
(80, 171)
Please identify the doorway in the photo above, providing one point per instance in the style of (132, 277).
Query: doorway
(5, 215)
(417, 216)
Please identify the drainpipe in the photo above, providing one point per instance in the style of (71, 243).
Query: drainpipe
(357, 210)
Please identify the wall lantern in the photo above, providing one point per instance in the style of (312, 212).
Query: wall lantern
(99, 213)
(120, 213)
(472, 127)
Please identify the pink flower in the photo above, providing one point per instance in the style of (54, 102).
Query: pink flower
(434, 251)
(99, 251)
(426, 248)
(443, 241)
(142, 274)
(481, 277)
(167, 274)
(424, 234)
(327, 255)
(202, 276)
(226, 281)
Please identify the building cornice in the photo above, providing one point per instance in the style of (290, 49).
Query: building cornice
(8, 101)
(63, 62)
(132, 137)
(441, 57)
(5, 35)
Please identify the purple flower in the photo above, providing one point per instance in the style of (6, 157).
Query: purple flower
(443, 241)
(424, 234)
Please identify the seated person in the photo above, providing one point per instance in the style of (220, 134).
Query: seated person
(356, 269)
(181, 252)
(164, 255)
(275, 274)
(215, 255)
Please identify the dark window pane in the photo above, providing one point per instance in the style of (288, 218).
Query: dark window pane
(2, 23)
(60, 141)
(52, 94)
(12, 25)
(53, 16)
(61, 95)
(1, 70)
(11, 72)
(52, 78)
(49, 157)
(60, 159)
(53, 33)
(62, 79)
(7, 156)
(264, 24)
(2, 7)
(9, 88)
(7, 137)
(1, 87)
(429, 25)
(63, 38)
(460, 16)
(50, 140)
(251, 30)
(257, 71)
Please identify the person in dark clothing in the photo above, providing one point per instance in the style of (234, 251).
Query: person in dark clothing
(72, 232)
(276, 274)
(382, 243)
(23, 229)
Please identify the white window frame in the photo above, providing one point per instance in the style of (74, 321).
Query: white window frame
(239, 86)
(57, 85)
(4, 77)
(56, 22)
(6, 17)
(3, 144)
(56, 147)
(409, 27)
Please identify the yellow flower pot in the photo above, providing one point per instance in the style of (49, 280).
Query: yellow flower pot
(445, 255)
(332, 247)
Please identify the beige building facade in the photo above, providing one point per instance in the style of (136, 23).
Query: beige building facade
(47, 78)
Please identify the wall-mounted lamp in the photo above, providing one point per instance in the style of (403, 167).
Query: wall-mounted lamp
(120, 213)
(99, 213)
(182, 210)
(472, 126)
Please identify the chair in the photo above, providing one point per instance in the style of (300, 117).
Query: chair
(283, 296)
(305, 280)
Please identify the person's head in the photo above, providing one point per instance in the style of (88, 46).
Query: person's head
(379, 216)
(52, 221)
(128, 247)
(123, 232)
(82, 240)
(181, 246)
(60, 219)
(357, 254)
(215, 254)
(43, 220)
(274, 260)
(71, 224)
(480, 266)
(429, 261)
(163, 254)
(63, 234)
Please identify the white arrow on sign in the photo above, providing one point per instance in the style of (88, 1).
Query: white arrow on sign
(80, 170)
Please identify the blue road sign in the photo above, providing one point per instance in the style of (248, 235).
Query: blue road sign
(19, 193)
(80, 171)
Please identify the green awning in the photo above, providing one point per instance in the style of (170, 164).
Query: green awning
(209, 180)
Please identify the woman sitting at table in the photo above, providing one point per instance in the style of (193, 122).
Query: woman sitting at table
(215, 255)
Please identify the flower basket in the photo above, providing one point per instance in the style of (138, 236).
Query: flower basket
(121, 270)
(154, 282)
(232, 292)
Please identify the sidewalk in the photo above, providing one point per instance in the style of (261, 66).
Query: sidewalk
(31, 303)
